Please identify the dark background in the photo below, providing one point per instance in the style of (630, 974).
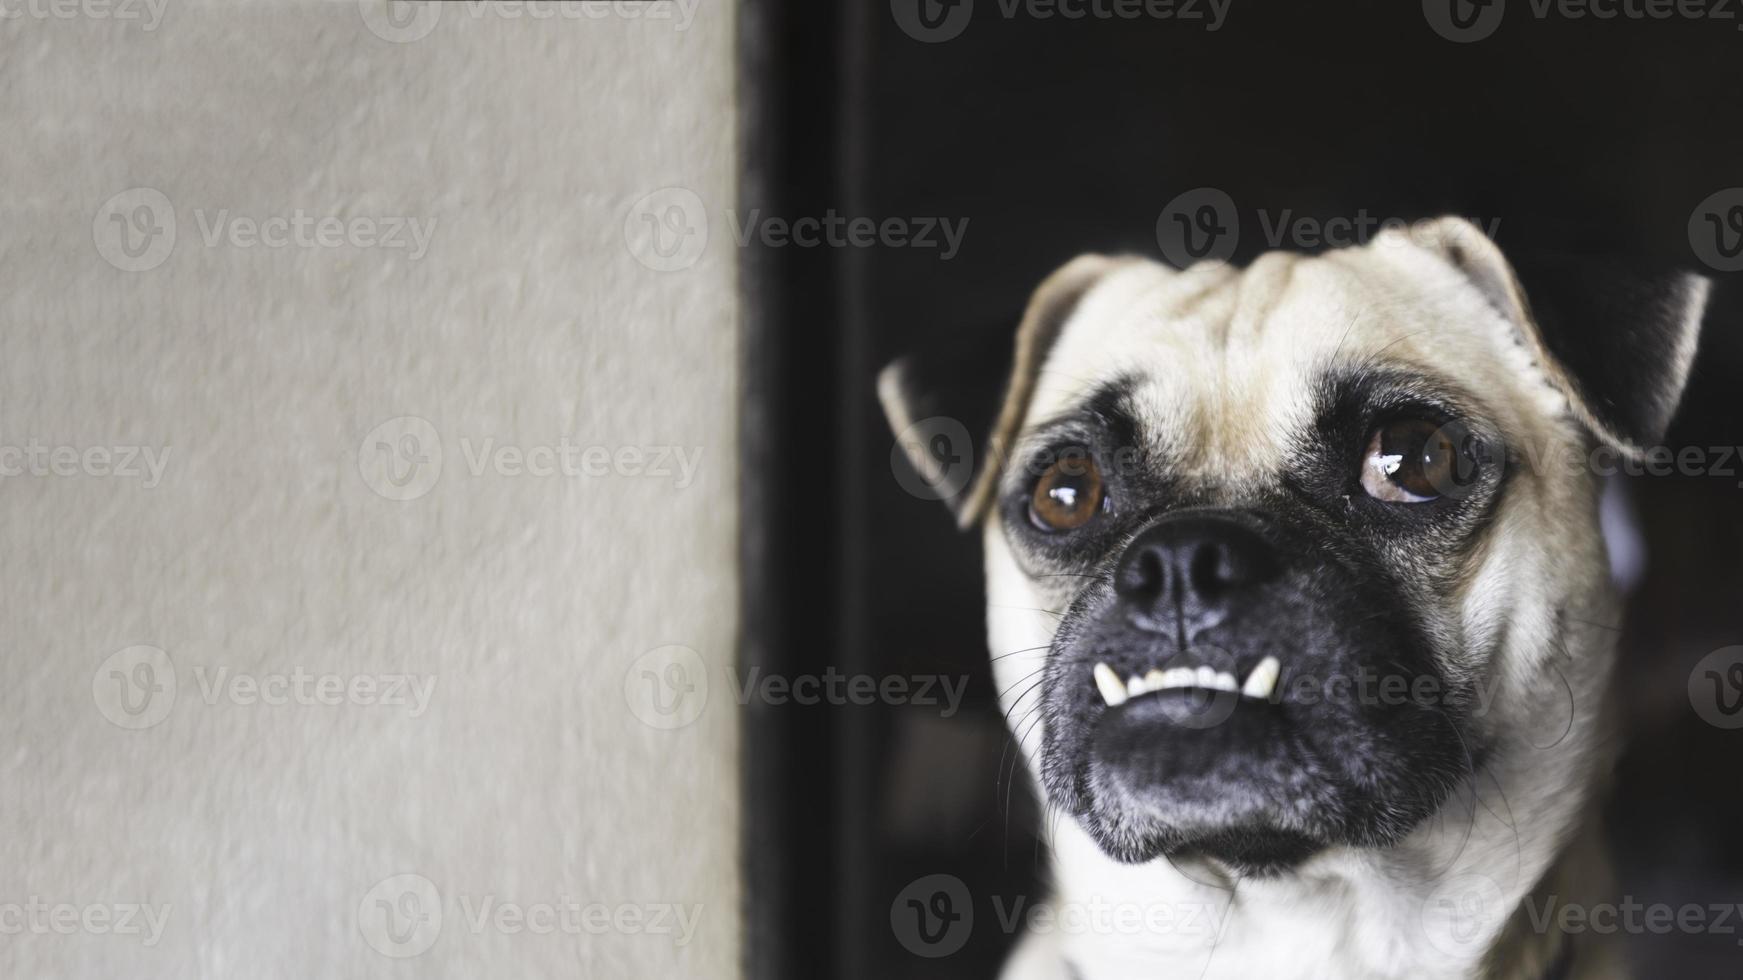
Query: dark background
(1055, 137)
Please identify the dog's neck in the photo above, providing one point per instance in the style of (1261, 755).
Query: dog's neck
(1517, 841)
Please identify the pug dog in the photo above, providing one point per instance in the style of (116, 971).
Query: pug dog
(1299, 603)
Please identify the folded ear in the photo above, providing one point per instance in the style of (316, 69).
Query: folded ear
(1617, 340)
(939, 401)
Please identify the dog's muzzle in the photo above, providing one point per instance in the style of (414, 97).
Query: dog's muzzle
(1213, 693)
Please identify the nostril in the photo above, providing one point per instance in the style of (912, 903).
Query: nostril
(1144, 575)
(1211, 571)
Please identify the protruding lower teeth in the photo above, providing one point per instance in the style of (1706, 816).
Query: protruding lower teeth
(1108, 682)
(1260, 683)
(1263, 680)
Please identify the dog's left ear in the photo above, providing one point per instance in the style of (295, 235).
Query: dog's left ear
(1618, 341)
(976, 390)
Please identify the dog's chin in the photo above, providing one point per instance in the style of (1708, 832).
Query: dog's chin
(1182, 775)
(1245, 852)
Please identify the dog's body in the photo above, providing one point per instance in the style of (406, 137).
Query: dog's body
(1247, 513)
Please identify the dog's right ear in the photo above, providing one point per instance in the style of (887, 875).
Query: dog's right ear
(1618, 340)
(945, 406)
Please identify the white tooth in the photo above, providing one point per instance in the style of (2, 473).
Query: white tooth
(1205, 677)
(1178, 677)
(1226, 682)
(1135, 686)
(1263, 680)
(1108, 682)
(1153, 680)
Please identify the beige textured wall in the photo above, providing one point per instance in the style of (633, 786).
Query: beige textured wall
(248, 816)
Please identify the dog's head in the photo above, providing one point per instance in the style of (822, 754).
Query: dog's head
(1258, 542)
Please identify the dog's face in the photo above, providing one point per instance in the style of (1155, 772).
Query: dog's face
(1275, 557)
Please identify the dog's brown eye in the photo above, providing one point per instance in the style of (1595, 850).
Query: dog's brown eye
(1410, 461)
(1068, 494)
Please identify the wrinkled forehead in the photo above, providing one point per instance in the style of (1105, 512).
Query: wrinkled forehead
(1224, 365)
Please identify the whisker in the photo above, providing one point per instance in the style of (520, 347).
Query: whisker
(1572, 709)
(1050, 612)
(1217, 943)
(1015, 652)
(1015, 684)
(1471, 769)
(1602, 626)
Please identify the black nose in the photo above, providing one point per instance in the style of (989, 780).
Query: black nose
(1185, 572)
